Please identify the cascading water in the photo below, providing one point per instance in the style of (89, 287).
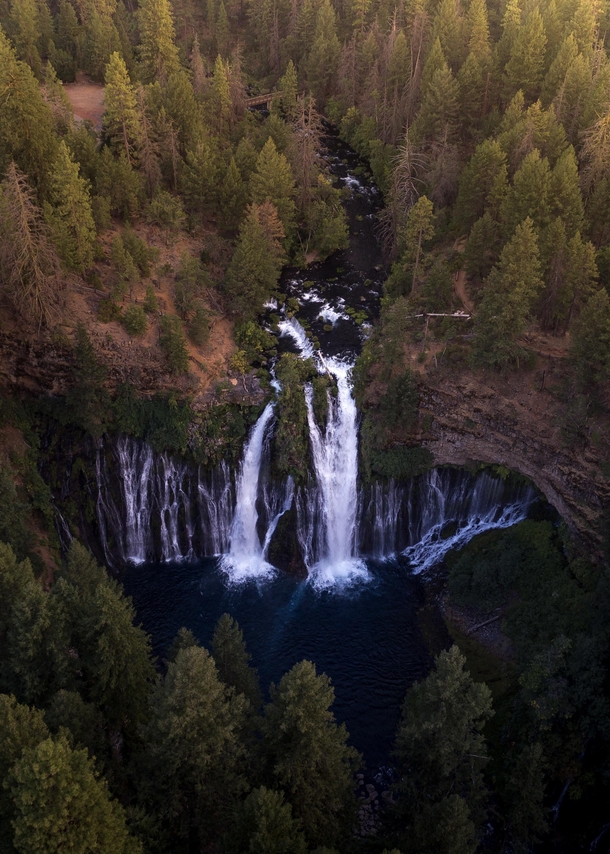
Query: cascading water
(246, 558)
(151, 507)
(335, 459)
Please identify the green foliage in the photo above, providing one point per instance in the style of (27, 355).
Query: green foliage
(442, 753)
(163, 421)
(255, 341)
(87, 400)
(191, 280)
(134, 320)
(13, 515)
(167, 212)
(398, 462)
(193, 750)
(232, 660)
(119, 183)
(59, 802)
(509, 296)
(256, 263)
(307, 755)
(173, 343)
(150, 304)
(590, 350)
(264, 825)
(292, 435)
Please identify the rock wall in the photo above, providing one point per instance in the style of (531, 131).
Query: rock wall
(493, 420)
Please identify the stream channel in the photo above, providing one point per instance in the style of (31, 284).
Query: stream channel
(355, 615)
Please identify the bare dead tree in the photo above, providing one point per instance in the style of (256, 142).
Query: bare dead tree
(409, 164)
(30, 272)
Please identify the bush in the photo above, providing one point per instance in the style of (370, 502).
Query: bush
(142, 254)
(173, 344)
(199, 327)
(134, 320)
(108, 310)
(150, 300)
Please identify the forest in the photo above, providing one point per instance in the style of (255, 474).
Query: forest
(486, 126)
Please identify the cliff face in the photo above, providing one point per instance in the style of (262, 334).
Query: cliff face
(515, 422)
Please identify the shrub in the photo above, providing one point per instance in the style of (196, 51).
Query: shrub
(134, 320)
(150, 300)
(199, 327)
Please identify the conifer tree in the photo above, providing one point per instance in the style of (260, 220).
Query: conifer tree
(529, 195)
(590, 349)
(158, 51)
(449, 27)
(220, 99)
(222, 30)
(323, 59)
(273, 181)
(26, 26)
(483, 184)
(264, 825)
(26, 123)
(121, 118)
(483, 247)
(308, 757)
(232, 660)
(511, 290)
(21, 727)
(288, 86)
(256, 263)
(193, 747)
(69, 213)
(148, 147)
(564, 192)
(233, 198)
(60, 802)
(478, 28)
(524, 69)
(200, 176)
(441, 753)
(25, 620)
(199, 79)
(437, 117)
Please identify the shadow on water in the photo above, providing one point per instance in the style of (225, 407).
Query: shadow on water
(365, 638)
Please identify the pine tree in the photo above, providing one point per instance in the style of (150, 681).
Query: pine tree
(478, 27)
(323, 59)
(220, 99)
(307, 754)
(510, 293)
(264, 825)
(21, 727)
(449, 27)
(257, 261)
(556, 74)
(529, 195)
(26, 123)
(483, 247)
(200, 176)
(29, 264)
(273, 182)
(437, 117)
(525, 68)
(69, 213)
(419, 229)
(233, 198)
(483, 184)
(121, 118)
(158, 51)
(25, 24)
(288, 86)
(222, 30)
(564, 193)
(590, 351)
(25, 659)
(232, 660)
(60, 802)
(148, 145)
(441, 754)
(193, 747)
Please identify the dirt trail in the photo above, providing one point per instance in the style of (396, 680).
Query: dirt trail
(87, 100)
(459, 283)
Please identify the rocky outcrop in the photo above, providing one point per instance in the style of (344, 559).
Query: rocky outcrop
(515, 422)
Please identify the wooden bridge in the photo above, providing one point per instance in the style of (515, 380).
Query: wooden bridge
(266, 100)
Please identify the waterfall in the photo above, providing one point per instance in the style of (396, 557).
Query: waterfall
(335, 459)
(246, 554)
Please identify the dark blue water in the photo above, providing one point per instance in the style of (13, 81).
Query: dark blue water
(367, 639)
